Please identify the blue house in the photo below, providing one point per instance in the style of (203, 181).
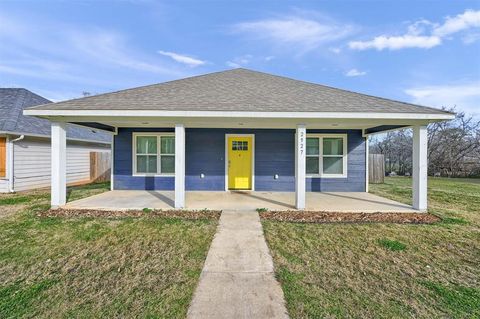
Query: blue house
(240, 130)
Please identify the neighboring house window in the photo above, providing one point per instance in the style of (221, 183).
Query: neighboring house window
(154, 154)
(3, 156)
(326, 155)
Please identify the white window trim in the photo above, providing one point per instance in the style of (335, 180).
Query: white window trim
(134, 153)
(320, 156)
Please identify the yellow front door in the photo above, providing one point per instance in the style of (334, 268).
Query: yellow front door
(239, 162)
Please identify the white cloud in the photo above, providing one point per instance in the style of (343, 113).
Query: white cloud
(240, 61)
(471, 38)
(423, 34)
(355, 72)
(465, 96)
(397, 42)
(306, 30)
(466, 20)
(185, 59)
(335, 50)
(34, 48)
(233, 64)
(112, 48)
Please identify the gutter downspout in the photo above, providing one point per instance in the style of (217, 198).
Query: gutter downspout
(10, 174)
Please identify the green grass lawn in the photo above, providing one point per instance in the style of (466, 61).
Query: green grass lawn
(96, 267)
(385, 270)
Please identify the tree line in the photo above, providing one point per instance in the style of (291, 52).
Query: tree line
(453, 148)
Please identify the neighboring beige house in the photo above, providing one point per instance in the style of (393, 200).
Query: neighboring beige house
(25, 152)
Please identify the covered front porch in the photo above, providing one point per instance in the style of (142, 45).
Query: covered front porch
(236, 200)
(199, 173)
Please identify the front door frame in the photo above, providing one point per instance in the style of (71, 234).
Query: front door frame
(252, 188)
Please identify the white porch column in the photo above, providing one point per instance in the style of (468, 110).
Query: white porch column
(179, 166)
(112, 162)
(420, 167)
(59, 164)
(367, 158)
(300, 171)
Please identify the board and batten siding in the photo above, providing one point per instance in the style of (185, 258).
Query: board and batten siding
(32, 162)
(205, 154)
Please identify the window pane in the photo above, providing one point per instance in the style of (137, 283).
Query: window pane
(146, 164)
(146, 145)
(141, 163)
(312, 165)
(168, 145)
(312, 146)
(152, 164)
(167, 164)
(333, 165)
(333, 146)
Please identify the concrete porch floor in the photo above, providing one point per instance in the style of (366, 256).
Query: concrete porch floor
(328, 202)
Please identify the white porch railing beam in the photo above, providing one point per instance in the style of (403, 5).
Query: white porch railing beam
(179, 166)
(59, 164)
(420, 167)
(300, 171)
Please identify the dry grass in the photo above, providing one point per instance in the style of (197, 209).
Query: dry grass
(385, 270)
(123, 267)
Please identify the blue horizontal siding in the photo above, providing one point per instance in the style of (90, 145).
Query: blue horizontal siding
(205, 154)
(355, 181)
(122, 166)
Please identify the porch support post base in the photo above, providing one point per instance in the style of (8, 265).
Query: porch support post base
(300, 159)
(59, 164)
(420, 167)
(179, 166)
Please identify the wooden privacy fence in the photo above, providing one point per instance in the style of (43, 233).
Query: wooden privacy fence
(99, 166)
(376, 168)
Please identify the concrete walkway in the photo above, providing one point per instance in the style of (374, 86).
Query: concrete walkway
(237, 280)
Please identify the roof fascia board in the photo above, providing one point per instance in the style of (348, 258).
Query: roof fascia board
(236, 114)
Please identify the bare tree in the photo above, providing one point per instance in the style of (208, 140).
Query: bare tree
(453, 148)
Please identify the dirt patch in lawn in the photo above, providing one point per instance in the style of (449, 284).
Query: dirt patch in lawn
(332, 217)
(184, 214)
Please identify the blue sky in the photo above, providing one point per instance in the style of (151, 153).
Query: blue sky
(427, 52)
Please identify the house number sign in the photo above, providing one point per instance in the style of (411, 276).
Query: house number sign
(302, 142)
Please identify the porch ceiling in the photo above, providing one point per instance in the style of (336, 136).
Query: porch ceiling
(328, 202)
(239, 122)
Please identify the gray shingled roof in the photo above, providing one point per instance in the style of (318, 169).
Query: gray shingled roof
(12, 103)
(239, 90)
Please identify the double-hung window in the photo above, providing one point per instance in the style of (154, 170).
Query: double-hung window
(154, 154)
(326, 155)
